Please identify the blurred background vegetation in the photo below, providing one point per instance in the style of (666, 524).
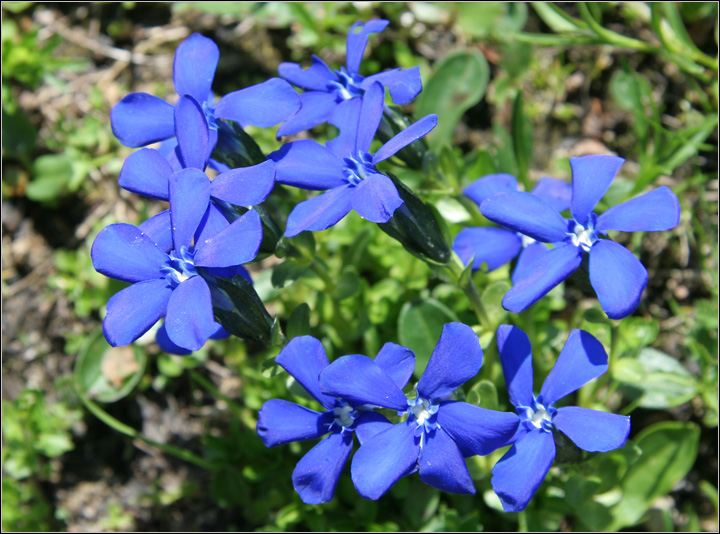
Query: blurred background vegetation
(519, 88)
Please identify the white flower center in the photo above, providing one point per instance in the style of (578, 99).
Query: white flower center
(343, 415)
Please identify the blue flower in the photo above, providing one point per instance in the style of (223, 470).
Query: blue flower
(279, 421)
(346, 168)
(497, 246)
(518, 474)
(437, 434)
(616, 275)
(140, 119)
(326, 89)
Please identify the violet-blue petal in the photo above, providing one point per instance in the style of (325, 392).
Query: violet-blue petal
(554, 192)
(592, 430)
(655, 211)
(189, 198)
(140, 119)
(146, 172)
(384, 459)
(404, 84)
(490, 185)
(357, 41)
(245, 186)
(316, 108)
(581, 360)
(220, 332)
(280, 422)
(617, 277)
(263, 105)
(370, 424)
(442, 466)
(527, 214)
(477, 430)
(237, 244)
(516, 358)
(320, 212)
(194, 66)
(212, 223)
(123, 252)
(345, 117)
(158, 229)
(132, 311)
(376, 198)
(304, 358)
(492, 246)
(189, 321)
(166, 344)
(371, 114)
(397, 361)
(308, 165)
(456, 359)
(314, 78)
(547, 272)
(525, 259)
(410, 134)
(518, 474)
(359, 380)
(192, 133)
(591, 175)
(317, 473)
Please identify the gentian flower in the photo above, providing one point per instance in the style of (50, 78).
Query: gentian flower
(346, 168)
(140, 119)
(280, 421)
(438, 432)
(497, 246)
(326, 89)
(518, 474)
(616, 275)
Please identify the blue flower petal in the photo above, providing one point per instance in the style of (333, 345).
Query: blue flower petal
(316, 108)
(132, 311)
(192, 133)
(345, 117)
(397, 361)
(166, 344)
(490, 185)
(140, 119)
(592, 430)
(518, 474)
(189, 321)
(582, 359)
(655, 211)
(384, 459)
(158, 229)
(457, 358)
(320, 212)
(237, 244)
(547, 272)
(404, 84)
(371, 112)
(146, 172)
(220, 332)
(314, 78)
(317, 473)
(245, 186)
(527, 256)
(402, 139)
(592, 175)
(212, 223)
(359, 380)
(280, 422)
(516, 358)
(442, 466)
(527, 214)
(477, 430)
(263, 105)
(308, 165)
(376, 198)
(189, 198)
(492, 246)
(617, 277)
(194, 66)
(554, 192)
(123, 252)
(304, 358)
(369, 424)
(357, 41)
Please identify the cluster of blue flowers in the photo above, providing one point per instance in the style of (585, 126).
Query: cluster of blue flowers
(176, 261)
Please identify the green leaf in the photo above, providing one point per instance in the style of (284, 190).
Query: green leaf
(18, 135)
(287, 272)
(249, 319)
(299, 322)
(348, 284)
(522, 139)
(54, 444)
(556, 18)
(228, 488)
(51, 177)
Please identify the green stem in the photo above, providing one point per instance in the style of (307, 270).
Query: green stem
(215, 392)
(522, 522)
(457, 271)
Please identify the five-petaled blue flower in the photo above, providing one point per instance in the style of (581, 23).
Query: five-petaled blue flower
(518, 474)
(326, 89)
(497, 246)
(279, 421)
(346, 168)
(616, 274)
(438, 432)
